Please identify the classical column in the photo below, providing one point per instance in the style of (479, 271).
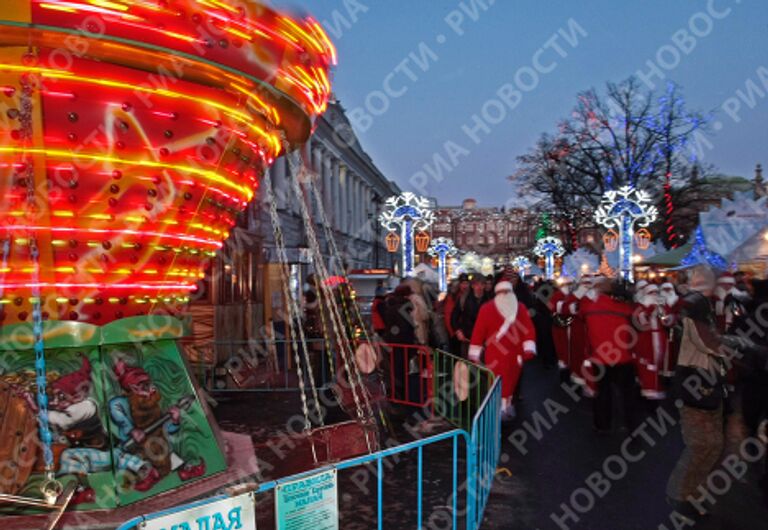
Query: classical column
(336, 177)
(279, 181)
(344, 202)
(327, 191)
(355, 205)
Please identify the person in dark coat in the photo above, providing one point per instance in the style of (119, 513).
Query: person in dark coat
(399, 332)
(465, 313)
(396, 311)
(543, 320)
(752, 330)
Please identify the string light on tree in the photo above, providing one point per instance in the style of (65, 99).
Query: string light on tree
(623, 209)
(442, 248)
(549, 248)
(407, 213)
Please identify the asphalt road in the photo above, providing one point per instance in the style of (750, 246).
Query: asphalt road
(552, 467)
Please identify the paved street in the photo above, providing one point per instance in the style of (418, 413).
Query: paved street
(560, 463)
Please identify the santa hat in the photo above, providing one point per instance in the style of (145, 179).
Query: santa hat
(128, 376)
(503, 286)
(565, 280)
(650, 289)
(640, 285)
(726, 279)
(75, 381)
(667, 286)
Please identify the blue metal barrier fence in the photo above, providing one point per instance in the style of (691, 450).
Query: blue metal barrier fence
(376, 458)
(483, 446)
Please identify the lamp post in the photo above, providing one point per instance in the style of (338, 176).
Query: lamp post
(443, 247)
(407, 213)
(521, 264)
(549, 248)
(623, 209)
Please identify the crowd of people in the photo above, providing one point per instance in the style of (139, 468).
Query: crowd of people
(695, 337)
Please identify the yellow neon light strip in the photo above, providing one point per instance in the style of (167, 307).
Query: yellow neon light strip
(242, 117)
(69, 155)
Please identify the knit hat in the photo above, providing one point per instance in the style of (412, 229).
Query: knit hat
(73, 382)
(128, 376)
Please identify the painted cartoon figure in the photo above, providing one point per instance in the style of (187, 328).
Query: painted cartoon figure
(74, 417)
(145, 430)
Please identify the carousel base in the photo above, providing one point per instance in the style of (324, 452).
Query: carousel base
(241, 464)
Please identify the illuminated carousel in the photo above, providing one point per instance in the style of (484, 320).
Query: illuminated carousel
(133, 133)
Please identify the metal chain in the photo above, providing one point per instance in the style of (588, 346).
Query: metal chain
(50, 488)
(336, 259)
(323, 273)
(291, 303)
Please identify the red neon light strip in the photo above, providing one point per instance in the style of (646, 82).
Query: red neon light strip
(190, 239)
(100, 286)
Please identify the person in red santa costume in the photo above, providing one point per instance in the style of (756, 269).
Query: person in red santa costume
(651, 346)
(561, 329)
(578, 345)
(608, 316)
(728, 300)
(505, 332)
(671, 305)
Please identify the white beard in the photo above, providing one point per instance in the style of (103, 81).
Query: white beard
(721, 292)
(506, 304)
(649, 300)
(593, 294)
(566, 290)
(670, 299)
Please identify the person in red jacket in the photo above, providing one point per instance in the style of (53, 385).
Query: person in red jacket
(651, 347)
(505, 331)
(578, 345)
(561, 329)
(608, 317)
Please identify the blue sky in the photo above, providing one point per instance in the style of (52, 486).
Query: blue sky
(464, 72)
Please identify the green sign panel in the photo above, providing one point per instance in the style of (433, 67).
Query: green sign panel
(310, 503)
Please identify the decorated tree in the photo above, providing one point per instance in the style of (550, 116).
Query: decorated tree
(628, 136)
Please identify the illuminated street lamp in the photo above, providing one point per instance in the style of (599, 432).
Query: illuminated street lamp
(623, 209)
(442, 248)
(549, 248)
(407, 213)
(521, 264)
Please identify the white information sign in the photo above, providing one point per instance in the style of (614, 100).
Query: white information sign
(311, 503)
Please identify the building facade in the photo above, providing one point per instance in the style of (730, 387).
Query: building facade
(242, 295)
(501, 234)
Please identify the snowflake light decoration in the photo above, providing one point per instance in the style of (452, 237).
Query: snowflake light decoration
(624, 209)
(407, 213)
(442, 248)
(549, 248)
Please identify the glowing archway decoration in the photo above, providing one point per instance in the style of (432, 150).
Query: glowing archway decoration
(623, 209)
(124, 162)
(443, 248)
(549, 248)
(407, 213)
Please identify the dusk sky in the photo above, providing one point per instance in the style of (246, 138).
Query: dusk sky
(428, 105)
